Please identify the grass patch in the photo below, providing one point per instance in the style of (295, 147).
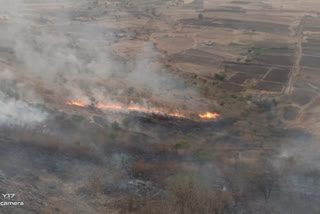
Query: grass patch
(257, 51)
(40, 106)
(77, 118)
(204, 91)
(115, 126)
(281, 49)
(238, 45)
(312, 28)
(113, 135)
(202, 156)
(182, 145)
(240, 2)
(219, 77)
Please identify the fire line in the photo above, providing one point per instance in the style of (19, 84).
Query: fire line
(207, 115)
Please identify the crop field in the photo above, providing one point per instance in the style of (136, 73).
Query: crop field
(160, 107)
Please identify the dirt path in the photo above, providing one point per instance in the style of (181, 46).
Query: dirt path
(195, 40)
(296, 67)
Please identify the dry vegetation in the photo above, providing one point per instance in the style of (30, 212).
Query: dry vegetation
(254, 61)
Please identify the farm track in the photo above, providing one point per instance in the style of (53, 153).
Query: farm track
(298, 56)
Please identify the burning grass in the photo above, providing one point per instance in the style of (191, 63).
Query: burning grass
(207, 115)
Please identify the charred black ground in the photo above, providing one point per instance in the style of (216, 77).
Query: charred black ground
(103, 106)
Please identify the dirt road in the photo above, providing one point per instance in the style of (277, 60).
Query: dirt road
(296, 67)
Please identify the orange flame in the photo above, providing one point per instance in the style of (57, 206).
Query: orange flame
(176, 115)
(101, 106)
(73, 103)
(209, 115)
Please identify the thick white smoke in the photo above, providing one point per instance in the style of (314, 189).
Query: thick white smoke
(18, 112)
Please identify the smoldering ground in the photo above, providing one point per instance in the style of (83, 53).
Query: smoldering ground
(61, 162)
(58, 160)
(69, 58)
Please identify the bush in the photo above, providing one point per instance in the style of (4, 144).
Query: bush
(219, 77)
(77, 118)
(115, 126)
(125, 122)
(113, 135)
(181, 145)
(41, 107)
(200, 16)
(202, 156)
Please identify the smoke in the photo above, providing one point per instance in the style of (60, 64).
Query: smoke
(46, 56)
(298, 164)
(147, 74)
(75, 60)
(14, 110)
(18, 112)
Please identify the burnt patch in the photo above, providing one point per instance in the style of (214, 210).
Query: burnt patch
(270, 45)
(310, 61)
(249, 69)
(230, 87)
(269, 86)
(227, 9)
(238, 25)
(240, 78)
(311, 46)
(312, 75)
(239, 2)
(101, 121)
(169, 125)
(312, 51)
(302, 96)
(280, 75)
(290, 112)
(275, 59)
(196, 4)
(233, 141)
(196, 57)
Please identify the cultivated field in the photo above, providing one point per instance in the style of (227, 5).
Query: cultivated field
(160, 107)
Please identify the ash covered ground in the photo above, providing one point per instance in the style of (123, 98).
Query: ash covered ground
(159, 107)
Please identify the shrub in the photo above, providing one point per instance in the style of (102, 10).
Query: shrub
(115, 126)
(202, 156)
(125, 122)
(181, 145)
(77, 118)
(41, 107)
(219, 77)
(113, 135)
